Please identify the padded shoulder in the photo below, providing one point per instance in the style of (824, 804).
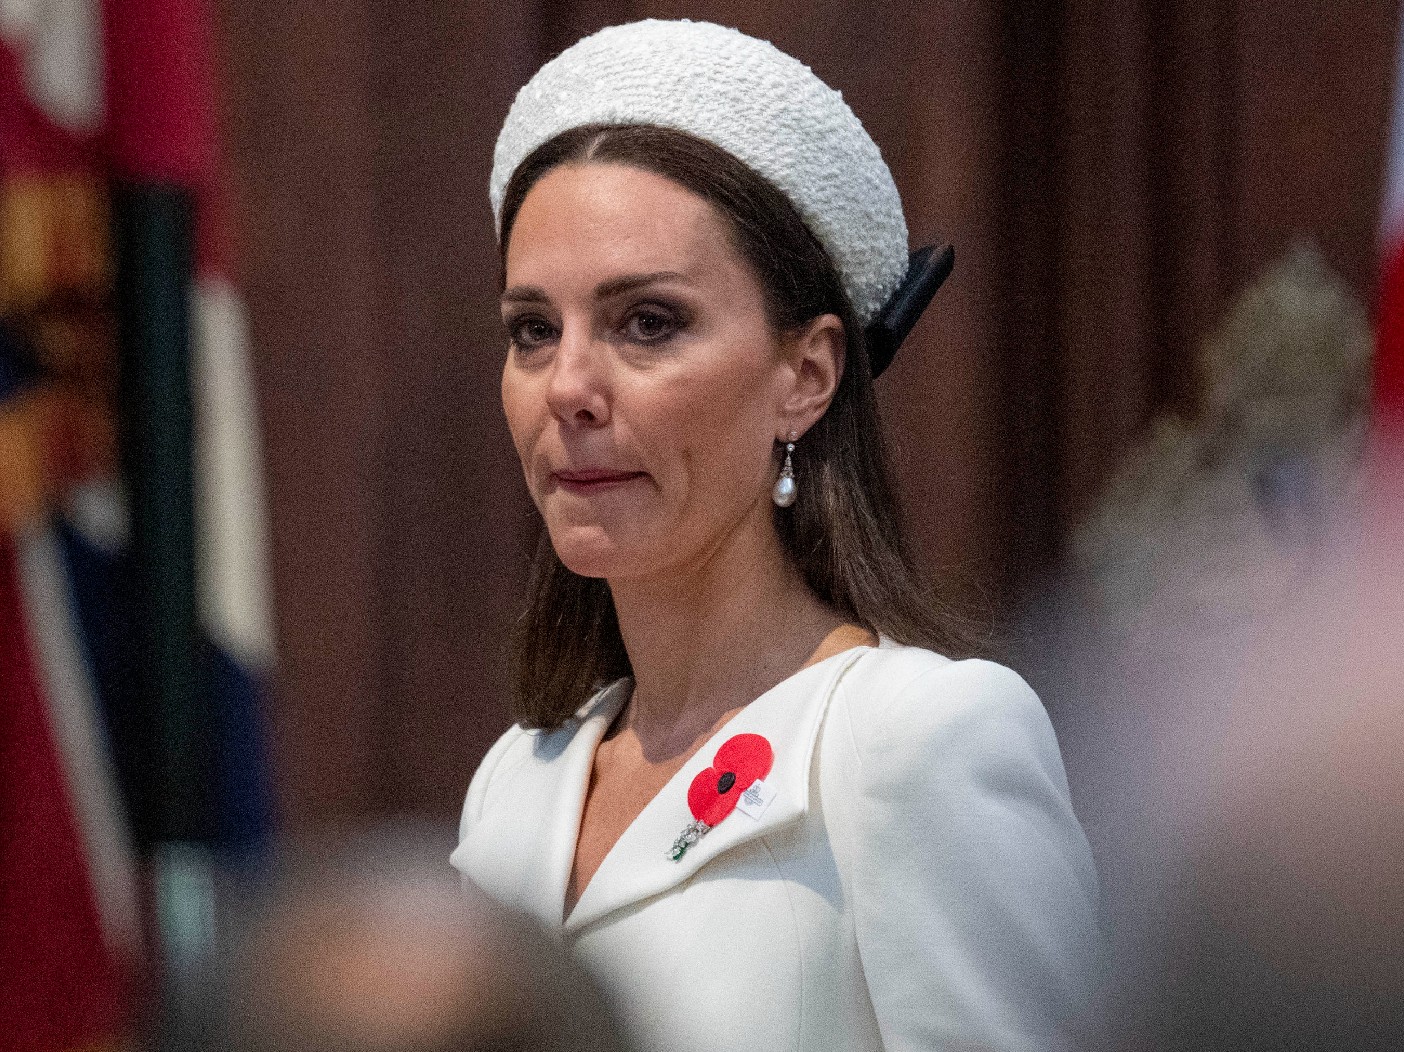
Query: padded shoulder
(974, 892)
(907, 693)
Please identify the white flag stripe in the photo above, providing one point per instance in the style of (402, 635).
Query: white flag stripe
(60, 48)
(229, 499)
(81, 743)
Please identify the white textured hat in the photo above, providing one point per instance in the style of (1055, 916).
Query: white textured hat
(751, 99)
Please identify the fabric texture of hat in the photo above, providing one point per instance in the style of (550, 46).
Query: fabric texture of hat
(751, 99)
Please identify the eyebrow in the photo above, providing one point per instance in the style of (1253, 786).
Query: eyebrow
(604, 290)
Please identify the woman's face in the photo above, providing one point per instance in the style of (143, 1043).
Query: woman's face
(644, 387)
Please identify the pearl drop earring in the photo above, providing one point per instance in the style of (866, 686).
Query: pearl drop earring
(786, 488)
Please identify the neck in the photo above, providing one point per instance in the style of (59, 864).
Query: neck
(709, 639)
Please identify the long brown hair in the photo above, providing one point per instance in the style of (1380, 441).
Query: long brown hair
(844, 532)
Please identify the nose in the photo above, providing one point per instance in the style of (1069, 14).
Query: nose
(578, 389)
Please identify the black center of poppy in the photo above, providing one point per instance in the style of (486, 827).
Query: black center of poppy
(725, 782)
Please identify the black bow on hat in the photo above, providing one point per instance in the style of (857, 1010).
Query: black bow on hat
(927, 269)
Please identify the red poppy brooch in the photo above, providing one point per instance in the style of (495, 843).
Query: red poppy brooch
(740, 763)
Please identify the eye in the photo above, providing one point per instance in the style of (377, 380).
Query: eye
(530, 331)
(650, 324)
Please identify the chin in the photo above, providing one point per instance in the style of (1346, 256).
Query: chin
(591, 552)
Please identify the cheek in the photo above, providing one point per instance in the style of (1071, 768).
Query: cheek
(718, 435)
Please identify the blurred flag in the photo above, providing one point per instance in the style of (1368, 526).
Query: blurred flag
(68, 919)
(134, 624)
(188, 427)
(1389, 354)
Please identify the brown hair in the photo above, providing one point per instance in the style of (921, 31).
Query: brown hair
(844, 531)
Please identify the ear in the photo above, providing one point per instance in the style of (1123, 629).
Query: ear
(815, 356)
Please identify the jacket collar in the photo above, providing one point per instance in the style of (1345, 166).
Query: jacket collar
(639, 865)
(548, 796)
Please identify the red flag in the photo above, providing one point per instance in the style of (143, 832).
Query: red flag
(68, 925)
(1389, 321)
(91, 90)
(60, 986)
(1389, 336)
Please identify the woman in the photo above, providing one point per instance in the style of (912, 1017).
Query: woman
(786, 820)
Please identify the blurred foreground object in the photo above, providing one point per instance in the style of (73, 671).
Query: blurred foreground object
(1229, 666)
(132, 582)
(1258, 781)
(392, 954)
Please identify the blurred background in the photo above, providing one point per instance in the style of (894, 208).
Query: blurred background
(264, 535)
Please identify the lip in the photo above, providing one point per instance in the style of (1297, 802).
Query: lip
(594, 480)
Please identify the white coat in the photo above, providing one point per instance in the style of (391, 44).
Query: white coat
(919, 880)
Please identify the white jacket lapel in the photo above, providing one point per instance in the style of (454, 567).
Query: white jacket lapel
(542, 819)
(638, 866)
